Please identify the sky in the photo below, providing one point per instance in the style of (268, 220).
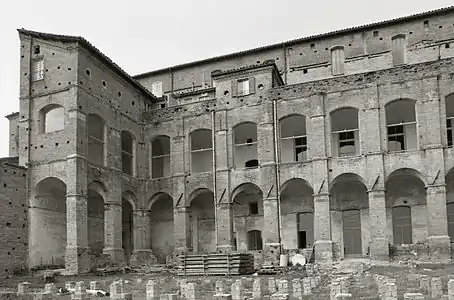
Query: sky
(144, 35)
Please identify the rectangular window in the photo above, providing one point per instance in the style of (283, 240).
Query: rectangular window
(243, 87)
(300, 148)
(449, 129)
(38, 70)
(347, 143)
(156, 88)
(396, 138)
(398, 49)
(253, 208)
(337, 60)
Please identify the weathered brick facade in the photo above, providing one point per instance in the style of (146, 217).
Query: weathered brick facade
(264, 150)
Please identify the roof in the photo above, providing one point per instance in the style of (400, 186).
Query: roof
(299, 40)
(12, 115)
(267, 63)
(89, 46)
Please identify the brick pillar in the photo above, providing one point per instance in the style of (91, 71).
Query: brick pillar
(224, 222)
(181, 229)
(77, 258)
(113, 239)
(322, 228)
(439, 242)
(379, 249)
(142, 254)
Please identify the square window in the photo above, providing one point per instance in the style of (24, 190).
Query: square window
(243, 87)
(253, 208)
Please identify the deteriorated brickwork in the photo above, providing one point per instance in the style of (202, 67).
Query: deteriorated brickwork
(282, 149)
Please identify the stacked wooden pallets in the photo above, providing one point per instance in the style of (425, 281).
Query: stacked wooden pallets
(215, 264)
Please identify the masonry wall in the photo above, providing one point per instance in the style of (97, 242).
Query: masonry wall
(13, 216)
(365, 50)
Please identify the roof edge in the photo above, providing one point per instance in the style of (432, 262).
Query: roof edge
(298, 40)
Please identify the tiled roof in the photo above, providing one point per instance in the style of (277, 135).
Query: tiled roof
(244, 68)
(89, 46)
(299, 40)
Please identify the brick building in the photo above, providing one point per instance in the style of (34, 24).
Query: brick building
(340, 142)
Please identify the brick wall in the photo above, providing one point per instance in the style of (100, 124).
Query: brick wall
(13, 218)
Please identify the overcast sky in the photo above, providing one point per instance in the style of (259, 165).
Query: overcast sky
(141, 35)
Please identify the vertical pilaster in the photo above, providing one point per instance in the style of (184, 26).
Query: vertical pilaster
(224, 213)
(113, 240)
(181, 229)
(322, 228)
(379, 249)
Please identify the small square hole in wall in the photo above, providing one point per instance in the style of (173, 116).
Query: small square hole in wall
(375, 33)
(36, 49)
(426, 24)
(312, 45)
(447, 46)
(304, 71)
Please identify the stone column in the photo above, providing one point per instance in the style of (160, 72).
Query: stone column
(77, 258)
(322, 228)
(113, 238)
(439, 242)
(142, 254)
(379, 249)
(225, 227)
(181, 229)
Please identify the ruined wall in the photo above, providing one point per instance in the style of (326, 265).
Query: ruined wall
(13, 216)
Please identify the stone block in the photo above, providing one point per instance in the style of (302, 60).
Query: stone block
(257, 289)
(413, 296)
(451, 289)
(335, 289)
(424, 284)
(94, 285)
(23, 288)
(50, 288)
(80, 291)
(152, 290)
(219, 287)
(436, 288)
(390, 291)
(297, 288)
(343, 296)
(282, 286)
(237, 290)
(168, 297)
(307, 288)
(272, 288)
(192, 292)
(280, 296)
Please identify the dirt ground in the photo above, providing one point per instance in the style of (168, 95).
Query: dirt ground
(362, 285)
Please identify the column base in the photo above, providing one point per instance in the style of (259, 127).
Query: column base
(271, 254)
(142, 257)
(77, 261)
(440, 247)
(225, 249)
(379, 249)
(116, 255)
(323, 251)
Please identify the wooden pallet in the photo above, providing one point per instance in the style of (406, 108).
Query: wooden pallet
(215, 264)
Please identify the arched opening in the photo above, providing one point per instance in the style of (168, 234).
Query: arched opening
(201, 151)
(127, 153)
(127, 225)
(95, 130)
(247, 202)
(160, 157)
(52, 118)
(202, 221)
(350, 216)
(406, 207)
(254, 240)
(401, 125)
(449, 118)
(244, 144)
(48, 223)
(293, 138)
(95, 220)
(297, 212)
(450, 203)
(345, 132)
(162, 242)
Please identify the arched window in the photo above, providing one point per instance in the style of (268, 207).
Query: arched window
(160, 157)
(254, 240)
(245, 144)
(401, 125)
(345, 132)
(52, 118)
(95, 129)
(293, 138)
(127, 153)
(201, 150)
